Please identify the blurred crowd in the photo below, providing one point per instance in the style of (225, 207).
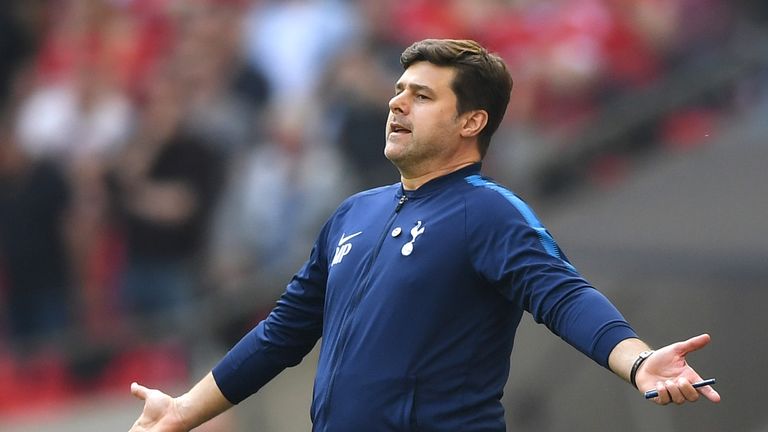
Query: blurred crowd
(165, 164)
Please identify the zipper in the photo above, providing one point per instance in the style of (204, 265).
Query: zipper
(400, 203)
(344, 328)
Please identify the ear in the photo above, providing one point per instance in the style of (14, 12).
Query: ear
(473, 123)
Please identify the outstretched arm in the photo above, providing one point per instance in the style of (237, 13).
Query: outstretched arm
(666, 370)
(163, 413)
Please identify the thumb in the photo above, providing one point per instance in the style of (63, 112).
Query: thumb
(693, 344)
(139, 391)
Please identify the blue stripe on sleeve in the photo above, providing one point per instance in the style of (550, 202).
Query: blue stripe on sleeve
(547, 242)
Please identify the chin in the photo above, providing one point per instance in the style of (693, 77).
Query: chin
(392, 152)
(391, 157)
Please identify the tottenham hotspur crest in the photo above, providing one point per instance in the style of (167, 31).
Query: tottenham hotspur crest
(416, 231)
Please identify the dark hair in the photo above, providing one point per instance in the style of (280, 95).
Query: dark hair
(482, 80)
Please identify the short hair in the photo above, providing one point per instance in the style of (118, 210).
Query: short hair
(482, 80)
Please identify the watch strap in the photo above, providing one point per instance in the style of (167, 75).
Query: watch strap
(643, 356)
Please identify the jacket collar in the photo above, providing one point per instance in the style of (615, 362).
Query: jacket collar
(440, 182)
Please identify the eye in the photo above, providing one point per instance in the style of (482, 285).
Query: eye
(421, 97)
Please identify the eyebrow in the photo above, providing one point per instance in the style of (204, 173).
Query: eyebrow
(414, 87)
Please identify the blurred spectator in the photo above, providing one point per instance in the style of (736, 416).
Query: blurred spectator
(224, 94)
(278, 195)
(34, 206)
(166, 184)
(17, 42)
(80, 120)
(126, 38)
(293, 41)
(78, 114)
(356, 93)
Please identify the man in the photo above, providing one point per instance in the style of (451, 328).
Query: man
(417, 288)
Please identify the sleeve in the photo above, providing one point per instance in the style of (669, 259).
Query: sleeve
(283, 338)
(517, 255)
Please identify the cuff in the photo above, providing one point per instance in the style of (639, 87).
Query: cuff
(608, 339)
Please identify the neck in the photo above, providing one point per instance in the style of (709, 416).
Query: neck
(413, 183)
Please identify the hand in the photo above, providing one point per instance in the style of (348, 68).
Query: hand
(667, 371)
(160, 414)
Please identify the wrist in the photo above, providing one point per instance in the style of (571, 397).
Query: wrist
(641, 358)
(183, 408)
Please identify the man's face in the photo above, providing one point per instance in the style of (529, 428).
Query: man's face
(423, 124)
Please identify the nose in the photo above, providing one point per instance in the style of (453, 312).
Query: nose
(398, 104)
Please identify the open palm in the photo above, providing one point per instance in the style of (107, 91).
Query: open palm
(160, 412)
(668, 372)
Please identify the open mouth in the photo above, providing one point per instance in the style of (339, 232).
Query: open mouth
(398, 128)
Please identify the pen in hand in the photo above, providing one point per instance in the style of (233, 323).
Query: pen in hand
(650, 394)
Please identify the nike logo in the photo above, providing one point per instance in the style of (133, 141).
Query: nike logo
(345, 239)
(343, 249)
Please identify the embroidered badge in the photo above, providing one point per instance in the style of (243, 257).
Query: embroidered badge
(415, 232)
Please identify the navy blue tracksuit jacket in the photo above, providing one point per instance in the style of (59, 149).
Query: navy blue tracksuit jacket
(417, 296)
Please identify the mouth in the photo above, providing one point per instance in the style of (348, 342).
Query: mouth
(397, 128)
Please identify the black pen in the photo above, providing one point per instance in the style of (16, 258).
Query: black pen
(650, 394)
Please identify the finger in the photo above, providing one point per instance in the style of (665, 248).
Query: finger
(710, 393)
(674, 392)
(693, 344)
(686, 388)
(663, 397)
(139, 391)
